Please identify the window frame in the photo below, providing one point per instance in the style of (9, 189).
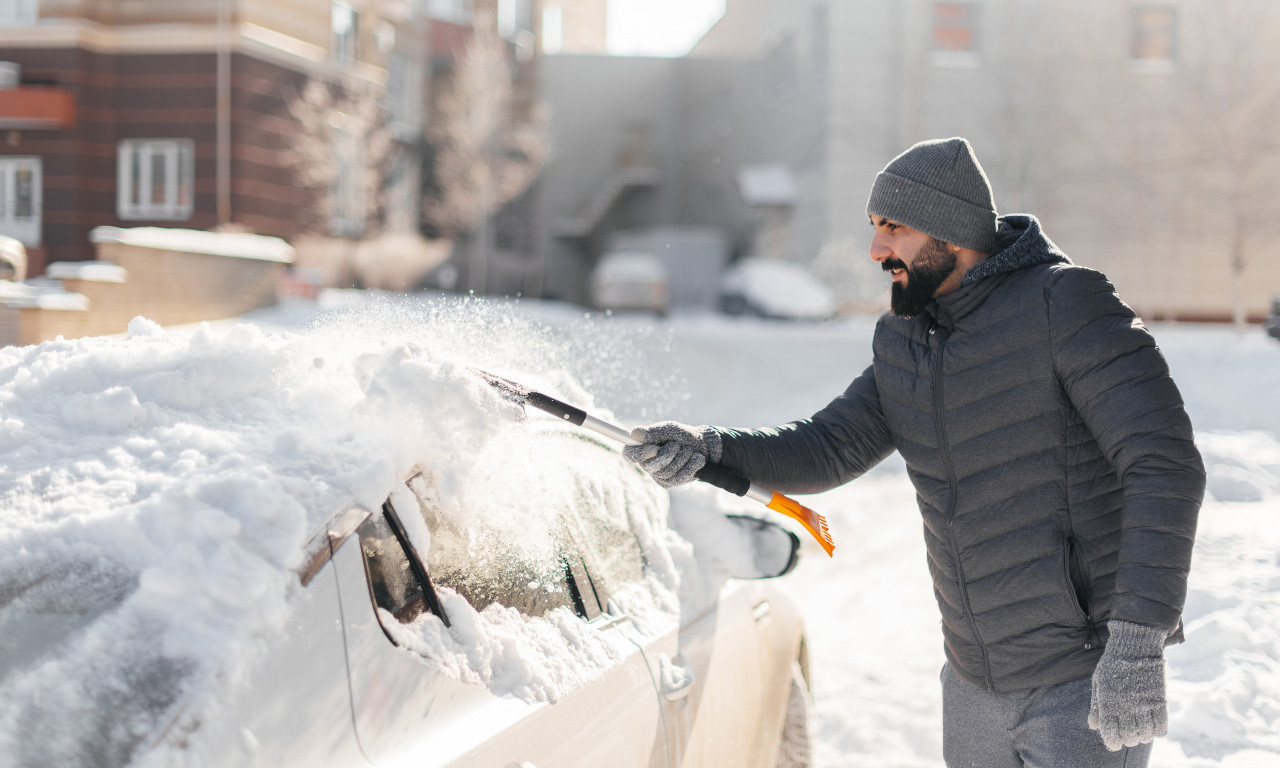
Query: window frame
(19, 13)
(179, 179)
(430, 598)
(1144, 37)
(27, 229)
(970, 19)
(460, 12)
(347, 212)
(344, 43)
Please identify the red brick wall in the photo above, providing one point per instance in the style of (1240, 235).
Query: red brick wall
(137, 96)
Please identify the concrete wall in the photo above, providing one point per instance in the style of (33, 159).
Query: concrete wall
(1132, 169)
(606, 113)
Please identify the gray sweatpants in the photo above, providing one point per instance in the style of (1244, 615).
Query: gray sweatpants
(1039, 728)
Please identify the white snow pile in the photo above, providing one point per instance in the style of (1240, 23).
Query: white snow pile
(156, 489)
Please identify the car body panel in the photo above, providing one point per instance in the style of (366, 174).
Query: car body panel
(293, 707)
(409, 714)
(739, 654)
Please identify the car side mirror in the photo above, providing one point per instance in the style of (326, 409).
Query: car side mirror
(776, 550)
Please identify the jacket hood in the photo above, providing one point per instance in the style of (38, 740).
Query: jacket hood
(1020, 243)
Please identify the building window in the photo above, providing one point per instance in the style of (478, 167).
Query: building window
(18, 13)
(955, 34)
(403, 96)
(779, 78)
(552, 29)
(514, 17)
(346, 203)
(453, 11)
(155, 179)
(345, 28)
(20, 188)
(1153, 38)
(821, 48)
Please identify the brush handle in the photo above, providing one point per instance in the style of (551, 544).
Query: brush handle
(715, 474)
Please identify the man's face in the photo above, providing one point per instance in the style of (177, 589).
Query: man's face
(918, 264)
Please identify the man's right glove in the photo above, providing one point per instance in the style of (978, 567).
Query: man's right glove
(673, 452)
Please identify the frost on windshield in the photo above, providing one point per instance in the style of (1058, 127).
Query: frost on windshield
(553, 529)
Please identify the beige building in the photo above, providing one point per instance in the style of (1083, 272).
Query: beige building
(1142, 133)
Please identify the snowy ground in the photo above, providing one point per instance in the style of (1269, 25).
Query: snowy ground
(875, 647)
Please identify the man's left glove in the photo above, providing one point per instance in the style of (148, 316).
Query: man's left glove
(1129, 705)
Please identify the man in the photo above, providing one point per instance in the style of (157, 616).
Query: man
(1052, 458)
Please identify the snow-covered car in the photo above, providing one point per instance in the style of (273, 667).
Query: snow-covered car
(1271, 324)
(775, 289)
(247, 549)
(630, 281)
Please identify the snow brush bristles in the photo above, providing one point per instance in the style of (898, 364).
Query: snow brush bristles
(719, 476)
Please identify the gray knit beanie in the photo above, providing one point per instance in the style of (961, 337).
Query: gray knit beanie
(939, 188)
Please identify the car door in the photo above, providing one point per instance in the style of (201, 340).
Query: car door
(725, 677)
(408, 711)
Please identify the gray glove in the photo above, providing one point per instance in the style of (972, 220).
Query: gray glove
(1129, 705)
(673, 452)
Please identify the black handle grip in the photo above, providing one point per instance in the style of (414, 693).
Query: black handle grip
(557, 408)
(723, 477)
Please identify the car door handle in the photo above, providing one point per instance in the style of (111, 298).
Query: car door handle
(760, 611)
(677, 677)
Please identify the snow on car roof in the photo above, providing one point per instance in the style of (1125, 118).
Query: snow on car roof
(156, 489)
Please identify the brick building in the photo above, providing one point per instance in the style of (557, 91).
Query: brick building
(136, 113)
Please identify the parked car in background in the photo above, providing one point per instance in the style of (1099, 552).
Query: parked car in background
(775, 289)
(630, 281)
(1271, 324)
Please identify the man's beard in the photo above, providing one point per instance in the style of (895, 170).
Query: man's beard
(932, 266)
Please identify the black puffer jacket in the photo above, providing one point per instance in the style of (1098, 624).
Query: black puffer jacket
(1051, 455)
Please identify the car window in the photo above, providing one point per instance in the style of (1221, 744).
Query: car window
(610, 549)
(485, 567)
(394, 586)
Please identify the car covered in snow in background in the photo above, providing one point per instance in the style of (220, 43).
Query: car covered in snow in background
(775, 289)
(242, 549)
(1271, 324)
(630, 281)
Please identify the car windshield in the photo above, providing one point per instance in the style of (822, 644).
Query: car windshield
(485, 564)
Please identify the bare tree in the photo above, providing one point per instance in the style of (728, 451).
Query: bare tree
(1232, 75)
(489, 148)
(340, 150)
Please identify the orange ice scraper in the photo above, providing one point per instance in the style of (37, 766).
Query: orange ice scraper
(715, 474)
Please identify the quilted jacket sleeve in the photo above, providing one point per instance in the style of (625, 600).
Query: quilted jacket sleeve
(1119, 382)
(837, 444)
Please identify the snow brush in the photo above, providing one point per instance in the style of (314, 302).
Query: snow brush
(715, 474)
